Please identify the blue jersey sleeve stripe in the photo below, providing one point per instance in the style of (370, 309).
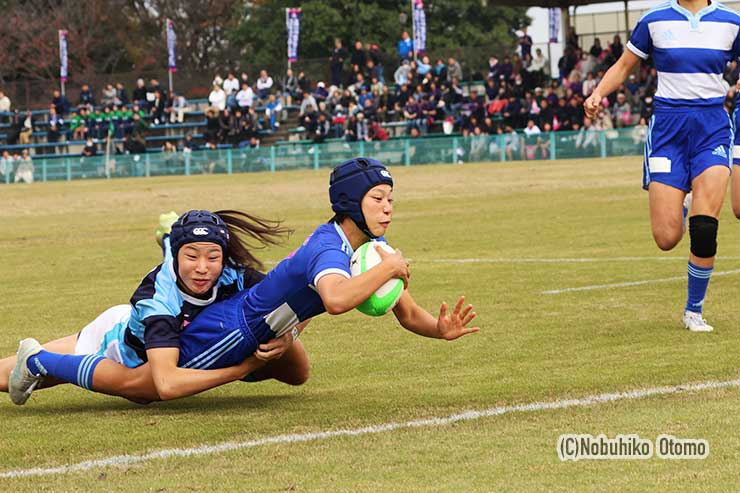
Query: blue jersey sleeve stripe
(636, 50)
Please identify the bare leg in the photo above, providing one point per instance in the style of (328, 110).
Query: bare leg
(134, 384)
(292, 368)
(65, 345)
(666, 214)
(736, 191)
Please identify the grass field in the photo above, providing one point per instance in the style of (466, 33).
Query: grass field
(502, 234)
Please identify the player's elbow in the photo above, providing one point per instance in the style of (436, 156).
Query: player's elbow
(167, 391)
(334, 308)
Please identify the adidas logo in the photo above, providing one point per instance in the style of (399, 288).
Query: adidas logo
(720, 151)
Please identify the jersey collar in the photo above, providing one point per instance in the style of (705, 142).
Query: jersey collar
(346, 246)
(694, 19)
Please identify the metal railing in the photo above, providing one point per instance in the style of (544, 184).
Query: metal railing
(403, 151)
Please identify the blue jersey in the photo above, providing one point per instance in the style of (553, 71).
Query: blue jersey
(288, 294)
(690, 52)
(160, 310)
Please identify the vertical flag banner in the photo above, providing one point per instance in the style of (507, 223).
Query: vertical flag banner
(420, 27)
(63, 74)
(554, 24)
(293, 22)
(171, 39)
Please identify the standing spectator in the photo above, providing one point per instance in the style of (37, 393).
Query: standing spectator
(139, 94)
(4, 103)
(87, 98)
(359, 57)
(56, 125)
(245, 97)
(109, 95)
(405, 46)
(272, 111)
(511, 143)
(289, 87)
(60, 103)
(6, 165)
(336, 62)
(264, 85)
(27, 128)
(540, 67)
(138, 134)
(588, 85)
(401, 76)
(616, 47)
(622, 111)
(121, 95)
(231, 84)
(25, 168)
(303, 83)
(596, 48)
(525, 43)
(217, 98)
(454, 70)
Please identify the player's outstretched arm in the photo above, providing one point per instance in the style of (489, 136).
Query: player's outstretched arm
(448, 326)
(173, 382)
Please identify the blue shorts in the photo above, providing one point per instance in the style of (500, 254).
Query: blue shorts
(681, 144)
(219, 337)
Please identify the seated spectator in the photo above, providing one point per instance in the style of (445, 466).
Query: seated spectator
(139, 131)
(27, 128)
(231, 84)
(217, 98)
(587, 138)
(264, 85)
(211, 133)
(423, 67)
(321, 129)
(231, 102)
(151, 92)
(56, 127)
(169, 147)
(440, 71)
(454, 70)
(639, 133)
(78, 125)
(245, 97)
(61, 103)
(4, 103)
(139, 94)
(412, 115)
(320, 94)
(157, 108)
(109, 95)
(308, 120)
(303, 83)
(377, 132)
(289, 87)
(25, 169)
(87, 98)
(272, 111)
(308, 100)
(121, 95)
(90, 148)
(178, 108)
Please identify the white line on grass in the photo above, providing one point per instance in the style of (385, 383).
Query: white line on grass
(125, 460)
(633, 283)
(554, 260)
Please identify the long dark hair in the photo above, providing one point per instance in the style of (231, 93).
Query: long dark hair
(247, 233)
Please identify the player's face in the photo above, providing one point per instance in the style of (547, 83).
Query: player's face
(199, 266)
(377, 207)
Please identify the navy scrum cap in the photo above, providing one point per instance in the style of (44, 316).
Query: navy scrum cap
(198, 226)
(350, 181)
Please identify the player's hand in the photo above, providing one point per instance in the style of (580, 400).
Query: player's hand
(165, 225)
(592, 104)
(274, 348)
(455, 324)
(399, 264)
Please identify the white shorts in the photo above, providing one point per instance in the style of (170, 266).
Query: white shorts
(92, 337)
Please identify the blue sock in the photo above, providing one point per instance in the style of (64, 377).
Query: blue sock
(77, 370)
(698, 283)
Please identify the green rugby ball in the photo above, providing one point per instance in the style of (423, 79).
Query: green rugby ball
(386, 297)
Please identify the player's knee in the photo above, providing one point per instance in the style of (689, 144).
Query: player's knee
(299, 376)
(703, 232)
(666, 239)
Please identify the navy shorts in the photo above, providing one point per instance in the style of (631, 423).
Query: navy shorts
(219, 337)
(681, 144)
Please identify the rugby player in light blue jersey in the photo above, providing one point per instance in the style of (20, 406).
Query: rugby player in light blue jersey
(690, 136)
(312, 280)
(205, 261)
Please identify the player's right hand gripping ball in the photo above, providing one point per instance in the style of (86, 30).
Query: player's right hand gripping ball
(387, 296)
(165, 225)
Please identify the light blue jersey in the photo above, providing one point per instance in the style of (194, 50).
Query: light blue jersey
(690, 52)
